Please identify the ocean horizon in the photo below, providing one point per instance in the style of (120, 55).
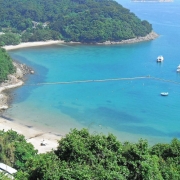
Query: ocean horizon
(129, 108)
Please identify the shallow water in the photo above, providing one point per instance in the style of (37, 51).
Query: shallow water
(131, 109)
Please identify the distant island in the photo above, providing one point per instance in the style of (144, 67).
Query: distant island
(85, 21)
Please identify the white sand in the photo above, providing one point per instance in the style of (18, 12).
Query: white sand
(32, 44)
(19, 83)
(32, 135)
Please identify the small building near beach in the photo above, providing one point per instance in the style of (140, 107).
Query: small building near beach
(7, 170)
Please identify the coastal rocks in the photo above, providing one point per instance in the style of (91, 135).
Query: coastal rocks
(32, 72)
(19, 73)
(148, 37)
(3, 101)
(22, 69)
(14, 80)
(4, 107)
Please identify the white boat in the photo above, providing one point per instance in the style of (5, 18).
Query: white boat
(178, 70)
(160, 58)
(164, 94)
(178, 67)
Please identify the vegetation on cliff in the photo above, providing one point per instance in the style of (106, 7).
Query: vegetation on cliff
(72, 20)
(81, 155)
(6, 66)
(14, 150)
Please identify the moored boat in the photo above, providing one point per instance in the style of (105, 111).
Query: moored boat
(160, 58)
(164, 94)
(178, 68)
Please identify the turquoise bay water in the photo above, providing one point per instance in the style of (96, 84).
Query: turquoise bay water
(131, 109)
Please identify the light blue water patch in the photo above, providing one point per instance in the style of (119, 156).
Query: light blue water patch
(130, 108)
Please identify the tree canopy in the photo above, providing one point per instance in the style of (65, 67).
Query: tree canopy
(81, 155)
(6, 66)
(14, 150)
(88, 21)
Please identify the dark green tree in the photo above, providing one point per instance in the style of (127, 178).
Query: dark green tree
(9, 39)
(14, 150)
(6, 66)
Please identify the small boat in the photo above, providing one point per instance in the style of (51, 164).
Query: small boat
(164, 94)
(160, 58)
(178, 67)
(178, 70)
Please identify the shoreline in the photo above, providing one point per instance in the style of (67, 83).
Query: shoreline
(13, 81)
(151, 36)
(32, 44)
(3, 97)
(148, 37)
(32, 135)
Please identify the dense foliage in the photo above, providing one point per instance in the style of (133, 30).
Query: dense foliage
(6, 66)
(3, 176)
(14, 150)
(81, 156)
(71, 20)
(9, 39)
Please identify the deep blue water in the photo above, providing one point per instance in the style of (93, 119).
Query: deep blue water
(131, 109)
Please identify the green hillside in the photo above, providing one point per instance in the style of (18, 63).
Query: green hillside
(6, 66)
(72, 20)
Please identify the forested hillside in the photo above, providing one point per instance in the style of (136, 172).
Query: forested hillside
(82, 156)
(72, 20)
(6, 66)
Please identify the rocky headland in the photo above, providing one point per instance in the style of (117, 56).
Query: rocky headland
(148, 37)
(14, 80)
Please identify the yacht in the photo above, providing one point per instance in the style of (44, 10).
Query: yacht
(164, 94)
(160, 58)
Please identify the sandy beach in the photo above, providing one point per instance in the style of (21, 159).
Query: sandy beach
(32, 135)
(32, 44)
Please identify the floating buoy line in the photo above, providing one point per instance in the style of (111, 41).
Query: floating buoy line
(103, 80)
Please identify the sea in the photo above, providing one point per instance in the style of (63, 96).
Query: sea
(106, 88)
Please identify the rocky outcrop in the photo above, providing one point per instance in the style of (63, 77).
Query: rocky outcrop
(14, 80)
(21, 70)
(148, 37)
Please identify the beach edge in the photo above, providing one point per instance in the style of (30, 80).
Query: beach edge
(151, 36)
